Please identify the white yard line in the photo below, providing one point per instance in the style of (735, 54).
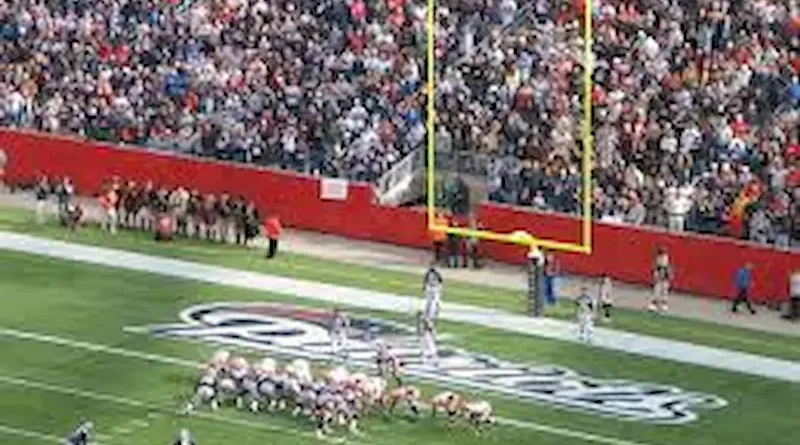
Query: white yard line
(28, 434)
(166, 360)
(548, 328)
(125, 401)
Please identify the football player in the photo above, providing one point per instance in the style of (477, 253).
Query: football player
(427, 339)
(82, 434)
(388, 363)
(448, 402)
(220, 360)
(479, 414)
(432, 285)
(409, 395)
(324, 413)
(267, 392)
(372, 391)
(606, 298)
(338, 334)
(349, 407)
(205, 392)
(184, 438)
(585, 316)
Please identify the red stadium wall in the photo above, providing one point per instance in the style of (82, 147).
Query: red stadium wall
(704, 265)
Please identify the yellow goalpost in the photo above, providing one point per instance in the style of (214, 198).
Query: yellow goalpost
(519, 237)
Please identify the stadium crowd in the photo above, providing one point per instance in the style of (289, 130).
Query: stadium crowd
(695, 101)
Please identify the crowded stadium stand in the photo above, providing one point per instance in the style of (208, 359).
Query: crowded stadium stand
(695, 102)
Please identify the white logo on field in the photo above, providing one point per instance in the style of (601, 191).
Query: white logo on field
(303, 332)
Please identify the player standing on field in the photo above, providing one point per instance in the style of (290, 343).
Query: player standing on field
(606, 300)
(427, 341)
(432, 285)
(338, 333)
(585, 316)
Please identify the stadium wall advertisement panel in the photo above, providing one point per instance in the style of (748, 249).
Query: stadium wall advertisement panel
(704, 265)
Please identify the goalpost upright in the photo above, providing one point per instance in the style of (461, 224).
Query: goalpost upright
(524, 239)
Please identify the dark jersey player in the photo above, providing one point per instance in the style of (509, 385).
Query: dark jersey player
(82, 434)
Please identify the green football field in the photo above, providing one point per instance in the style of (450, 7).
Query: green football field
(65, 354)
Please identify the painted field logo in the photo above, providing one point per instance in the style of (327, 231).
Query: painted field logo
(302, 332)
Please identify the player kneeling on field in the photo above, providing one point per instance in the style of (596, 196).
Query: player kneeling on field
(448, 402)
(479, 413)
(409, 395)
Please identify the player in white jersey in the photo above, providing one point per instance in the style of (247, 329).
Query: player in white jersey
(184, 438)
(432, 286)
(338, 334)
(427, 342)
(606, 298)
(585, 315)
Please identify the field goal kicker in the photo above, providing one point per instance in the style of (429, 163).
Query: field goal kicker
(518, 237)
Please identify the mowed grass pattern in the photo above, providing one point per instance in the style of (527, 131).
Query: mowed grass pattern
(332, 272)
(94, 304)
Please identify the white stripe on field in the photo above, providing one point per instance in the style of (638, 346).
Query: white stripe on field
(644, 345)
(125, 401)
(19, 432)
(94, 347)
(156, 358)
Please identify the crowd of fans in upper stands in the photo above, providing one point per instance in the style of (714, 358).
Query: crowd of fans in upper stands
(696, 102)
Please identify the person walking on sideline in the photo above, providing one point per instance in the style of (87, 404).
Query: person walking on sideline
(438, 238)
(551, 272)
(606, 299)
(273, 229)
(744, 279)
(43, 189)
(662, 277)
(794, 297)
(108, 202)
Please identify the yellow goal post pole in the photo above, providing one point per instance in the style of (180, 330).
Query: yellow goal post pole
(431, 111)
(588, 140)
(519, 237)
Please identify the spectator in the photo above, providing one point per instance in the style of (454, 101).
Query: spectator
(699, 95)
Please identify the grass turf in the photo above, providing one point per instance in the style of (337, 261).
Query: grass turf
(94, 304)
(341, 273)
